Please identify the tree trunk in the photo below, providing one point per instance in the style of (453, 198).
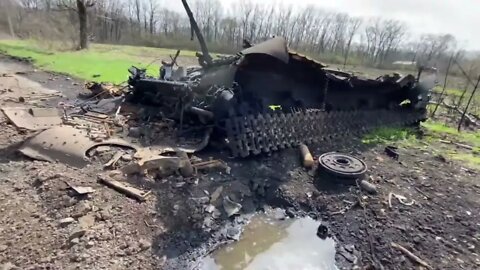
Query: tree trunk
(82, 18)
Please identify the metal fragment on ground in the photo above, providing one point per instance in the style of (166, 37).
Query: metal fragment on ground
(33, 118)
(82, 190)
(65, 144)
(231, 207)
(161, 164)
(342, 165)
(124, 188)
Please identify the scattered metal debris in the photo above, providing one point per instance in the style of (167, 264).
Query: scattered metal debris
(342, 165)
(33, 118)
(82, 190)
(65, 144)
(124, 188)
(392, 152)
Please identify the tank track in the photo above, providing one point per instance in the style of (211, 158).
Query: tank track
(264, 133)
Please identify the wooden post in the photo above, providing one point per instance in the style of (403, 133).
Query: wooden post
(444, 86)
(468, 104)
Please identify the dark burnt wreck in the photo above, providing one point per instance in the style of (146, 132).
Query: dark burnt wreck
(267, 97)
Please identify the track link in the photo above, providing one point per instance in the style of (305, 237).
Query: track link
(264, 133)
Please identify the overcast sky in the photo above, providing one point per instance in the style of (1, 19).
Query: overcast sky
(458, 17)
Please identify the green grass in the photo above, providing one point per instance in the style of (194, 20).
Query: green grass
(449, 91)
(388, 134)
(111, 62)
(436, 129)
(406, 137)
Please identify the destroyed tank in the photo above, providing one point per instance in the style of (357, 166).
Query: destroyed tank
(268, 97)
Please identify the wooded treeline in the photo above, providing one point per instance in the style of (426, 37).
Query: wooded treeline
(329, 36)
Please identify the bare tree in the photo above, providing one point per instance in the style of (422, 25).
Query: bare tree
(352, 28)
(82, 6)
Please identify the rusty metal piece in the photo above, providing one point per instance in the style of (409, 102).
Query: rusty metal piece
(392, 152)
(65, 144)
(33, 118)
(307, 158)
(124, 188)
(275, 47)
(342, 165)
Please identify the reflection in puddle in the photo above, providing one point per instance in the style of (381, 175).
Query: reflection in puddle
(276, 245)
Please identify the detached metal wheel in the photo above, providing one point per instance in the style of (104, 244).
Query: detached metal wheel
(342, 165)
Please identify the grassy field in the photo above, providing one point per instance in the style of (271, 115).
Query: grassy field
(111, 62)
(435, 133)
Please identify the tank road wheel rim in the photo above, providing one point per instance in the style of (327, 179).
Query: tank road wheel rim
(342, 165)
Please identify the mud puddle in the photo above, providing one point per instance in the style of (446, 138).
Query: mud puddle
(272, 244)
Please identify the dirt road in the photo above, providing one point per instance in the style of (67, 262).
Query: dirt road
(45, 225)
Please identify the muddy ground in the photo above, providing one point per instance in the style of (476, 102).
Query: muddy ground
(42, 222)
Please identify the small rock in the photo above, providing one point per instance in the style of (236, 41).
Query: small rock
(290, 212)
(90, 244)
(279, 214)
(77, 233)
(231, 207)
(144, 244)
(82, 209)
(8, 266)
(207, 222)
(66, 221)
(134, 132)
(201, 200)
(216, 194)
(233, 233)
(105, 214)
(87, 221)
(3, 248)
(210, 208)
(127, 157)
(180, 184)
(74, 241)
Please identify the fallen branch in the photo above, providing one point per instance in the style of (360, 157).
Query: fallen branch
(411, 256)
(457, 144)
(471, 118)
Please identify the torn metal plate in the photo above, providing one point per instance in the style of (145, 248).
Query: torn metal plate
(275, 47)
(65, 144)
(33, 118)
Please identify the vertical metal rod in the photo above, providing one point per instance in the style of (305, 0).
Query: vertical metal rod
(444, 86)
(468, 104)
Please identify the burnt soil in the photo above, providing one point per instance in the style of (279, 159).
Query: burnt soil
(172, 230)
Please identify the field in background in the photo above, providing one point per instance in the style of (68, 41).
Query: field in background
(111, 62)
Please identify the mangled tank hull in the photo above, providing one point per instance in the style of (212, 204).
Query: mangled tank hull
(267, 97)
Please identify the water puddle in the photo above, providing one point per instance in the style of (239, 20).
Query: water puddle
(277, 245)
